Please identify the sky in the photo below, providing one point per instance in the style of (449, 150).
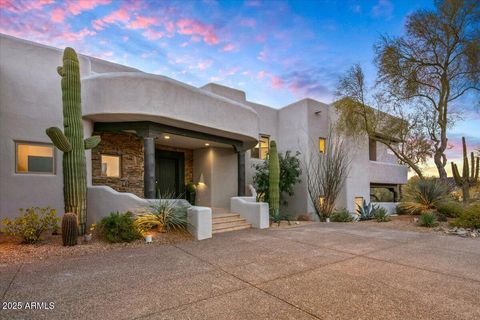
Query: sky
(276, 51)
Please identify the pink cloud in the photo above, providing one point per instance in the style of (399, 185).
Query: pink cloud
(151, 34)
(141, 22)
(261, 74)
(120, 15)
(76, 7)
(22, 5)
(58, 15)
(197, 29)
(76, 36)
(202, 65)
(277, 82)
(228, 47)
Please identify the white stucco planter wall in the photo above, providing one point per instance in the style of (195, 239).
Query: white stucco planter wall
(391, 207)
(102, 200)
(256, 213)
(200, 222)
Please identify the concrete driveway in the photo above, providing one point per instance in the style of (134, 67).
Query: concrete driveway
(339, 271)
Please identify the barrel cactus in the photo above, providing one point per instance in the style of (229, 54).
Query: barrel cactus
(71, 141)
(69, 229)
(273, 180)
(469, 175)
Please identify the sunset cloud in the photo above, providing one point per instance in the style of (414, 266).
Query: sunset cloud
(196, 28)
(228, 47)
(141, 22)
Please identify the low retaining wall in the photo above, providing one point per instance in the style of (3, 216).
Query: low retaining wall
(391, 207)
(256, 213)
(102, 200)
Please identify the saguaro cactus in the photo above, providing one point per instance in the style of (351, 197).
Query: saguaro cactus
(469, 177)
(71, 140)
(69, 229)
(273, 180)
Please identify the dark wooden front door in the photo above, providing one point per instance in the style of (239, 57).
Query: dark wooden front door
(170, 173)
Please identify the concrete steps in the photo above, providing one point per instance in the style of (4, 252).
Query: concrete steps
(225, 222)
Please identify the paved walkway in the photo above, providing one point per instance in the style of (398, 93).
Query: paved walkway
(339, 271)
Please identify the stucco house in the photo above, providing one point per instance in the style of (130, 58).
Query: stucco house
(159, 133)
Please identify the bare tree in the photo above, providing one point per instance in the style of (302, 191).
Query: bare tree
(434, 64)
(326, 174)
(365, 113)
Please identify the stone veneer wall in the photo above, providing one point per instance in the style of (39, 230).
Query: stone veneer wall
(188, 159)
(130, 149)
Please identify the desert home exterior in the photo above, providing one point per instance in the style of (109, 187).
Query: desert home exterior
(160, 134)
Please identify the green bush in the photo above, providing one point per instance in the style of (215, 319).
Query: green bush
(422, 195)
(290, 172)
(428, 219)
(341, 216)
(381, 215)
(31, 224)
(470, 218)
(118, 227)
(451, 209)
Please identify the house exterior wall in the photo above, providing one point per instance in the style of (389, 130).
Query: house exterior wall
(30, 102)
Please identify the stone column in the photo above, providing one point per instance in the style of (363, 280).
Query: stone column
(149, 167)
(241, 173)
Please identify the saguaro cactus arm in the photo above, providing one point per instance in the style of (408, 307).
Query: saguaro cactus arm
(59, 139)
(91, 142)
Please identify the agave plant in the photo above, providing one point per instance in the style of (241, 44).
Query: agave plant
(366, 211)
(423, 195)
(166, 214)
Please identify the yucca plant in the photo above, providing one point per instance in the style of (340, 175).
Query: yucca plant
(423, 195)
(165, 214)
(366, 211)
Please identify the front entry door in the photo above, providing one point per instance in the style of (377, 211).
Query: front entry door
(170, 172)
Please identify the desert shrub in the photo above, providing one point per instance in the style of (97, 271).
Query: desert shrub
(290, 172)
(366, 211)
(428, 219)
(304, 217)
(165, 214)
(31, 224)
(341, 216)
(381, 215)
(118, 227)
(451, 209)
(441, 217)
(423, 195)
(470, 217)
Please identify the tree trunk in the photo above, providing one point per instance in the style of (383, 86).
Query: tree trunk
(442, 173)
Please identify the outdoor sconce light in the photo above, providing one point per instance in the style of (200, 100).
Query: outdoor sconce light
(201, 182)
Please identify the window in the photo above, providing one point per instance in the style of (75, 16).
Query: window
(321, 145)
(34, 158)
(358, 202)
(110, 166)
(372, 149)
(260, 151)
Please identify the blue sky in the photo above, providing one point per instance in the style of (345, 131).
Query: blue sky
(276, 51)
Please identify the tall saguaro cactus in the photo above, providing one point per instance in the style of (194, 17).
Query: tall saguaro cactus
(71, 140)
(469, 177)
(273, 180)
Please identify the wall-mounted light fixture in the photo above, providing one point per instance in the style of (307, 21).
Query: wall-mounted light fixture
(201, 182)
(207, 144)
(166, 137)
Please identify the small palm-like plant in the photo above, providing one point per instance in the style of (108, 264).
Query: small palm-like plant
(381, 215)
(366, 211)
(424, 195)
(165, 214)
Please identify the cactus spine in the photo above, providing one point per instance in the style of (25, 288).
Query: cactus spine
(273, 180)
(469, 177)
(71, 140)
(69, 229)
